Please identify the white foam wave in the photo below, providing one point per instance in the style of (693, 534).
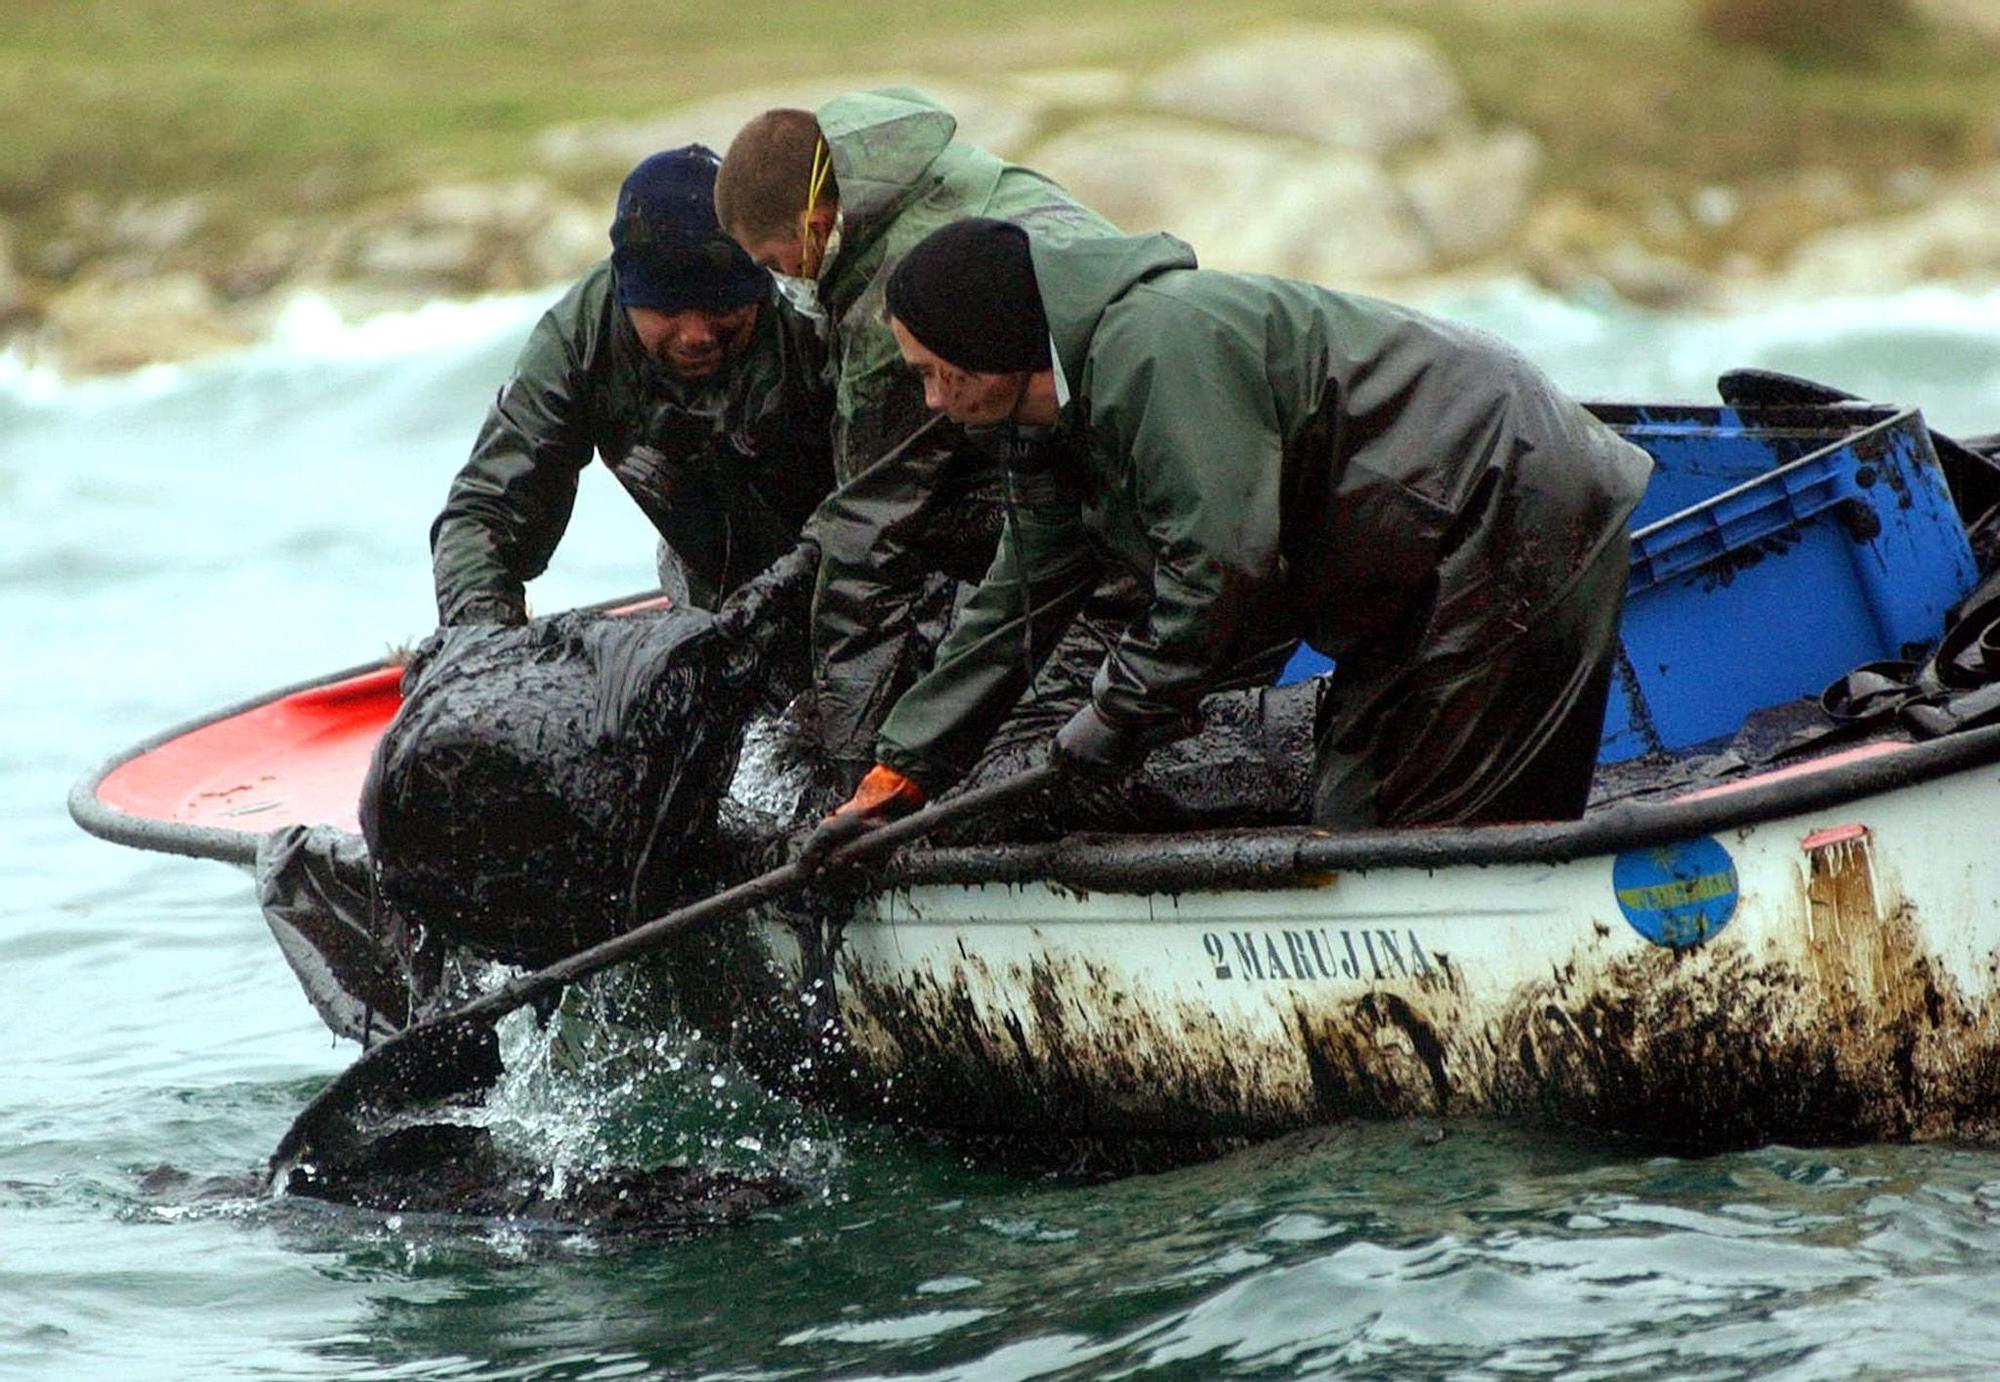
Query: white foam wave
(40, 383)
(1596, 346)
(1932, 304)
(308, 329)
(1935, 346)
(311, 327)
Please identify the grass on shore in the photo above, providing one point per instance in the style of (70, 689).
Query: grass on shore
(283, 106)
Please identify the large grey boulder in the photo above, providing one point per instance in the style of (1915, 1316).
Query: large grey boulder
(1471, 193)
(109, 321)
(1372, 90)
(1346, 155)
(1244, 201)
(468, 237)
(135, 230)
(1579, 250)
(1955, 237)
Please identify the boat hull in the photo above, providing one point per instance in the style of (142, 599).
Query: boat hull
(1816, 975)
(1805, 955)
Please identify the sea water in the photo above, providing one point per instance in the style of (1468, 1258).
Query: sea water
(180, 539)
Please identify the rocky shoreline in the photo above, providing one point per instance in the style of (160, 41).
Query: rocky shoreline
(1347, 155)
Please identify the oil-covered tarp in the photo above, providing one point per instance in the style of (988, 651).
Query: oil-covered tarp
(544, 787)
(354, 959)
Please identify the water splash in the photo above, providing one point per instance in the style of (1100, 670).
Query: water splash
(616, 1077)
(770, 777)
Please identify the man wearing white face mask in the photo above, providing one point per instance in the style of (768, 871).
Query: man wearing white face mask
(830, 201)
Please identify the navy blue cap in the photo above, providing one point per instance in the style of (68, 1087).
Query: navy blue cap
(667, 250)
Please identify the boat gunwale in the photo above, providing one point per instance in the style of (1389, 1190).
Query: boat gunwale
(1262, 858)
(180, 837)
(1252, 858)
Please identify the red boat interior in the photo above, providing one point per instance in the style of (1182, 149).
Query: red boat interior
(297, 758)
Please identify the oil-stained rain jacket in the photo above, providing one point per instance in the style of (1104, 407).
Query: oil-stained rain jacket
(1277, 459)
(914, 499)
(726, 468)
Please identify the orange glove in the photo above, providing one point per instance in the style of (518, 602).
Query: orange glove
(884, 794)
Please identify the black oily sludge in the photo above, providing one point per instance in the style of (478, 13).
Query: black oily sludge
(544, 787)
(451, 1169)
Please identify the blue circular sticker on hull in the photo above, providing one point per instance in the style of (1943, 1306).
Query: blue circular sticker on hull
(1676, 895)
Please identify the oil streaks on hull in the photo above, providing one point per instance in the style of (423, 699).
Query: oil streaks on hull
(1839, 1029)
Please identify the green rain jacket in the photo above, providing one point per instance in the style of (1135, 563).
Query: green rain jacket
(914, 499)
(1275, 460)
(727, 468)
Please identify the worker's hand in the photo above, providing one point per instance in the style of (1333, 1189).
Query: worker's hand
(884, 795)
(765, 611)
(1091, 746)
(742, 654)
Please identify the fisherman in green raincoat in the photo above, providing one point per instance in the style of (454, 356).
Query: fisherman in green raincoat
(830, 201)
(1409, 496)
(676, 362)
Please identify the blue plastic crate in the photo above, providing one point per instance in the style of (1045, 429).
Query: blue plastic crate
(1775, 550)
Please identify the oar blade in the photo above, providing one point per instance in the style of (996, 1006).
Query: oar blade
(444, 1061)
(447, 1059)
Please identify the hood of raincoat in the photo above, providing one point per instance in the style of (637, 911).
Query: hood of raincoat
(1086, 277)
(883, 144)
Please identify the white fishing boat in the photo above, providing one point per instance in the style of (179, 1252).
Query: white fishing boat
(1795, 942)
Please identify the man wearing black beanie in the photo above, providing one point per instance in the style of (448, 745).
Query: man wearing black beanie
(673, 360)
(1411, 497)
(971, 296)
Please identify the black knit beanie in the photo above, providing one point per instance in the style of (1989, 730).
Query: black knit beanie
(967, 292)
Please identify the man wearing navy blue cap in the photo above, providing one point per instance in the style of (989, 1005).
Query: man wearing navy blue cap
(674, 360)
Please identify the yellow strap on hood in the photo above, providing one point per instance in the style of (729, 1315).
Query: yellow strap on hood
(822, 169)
